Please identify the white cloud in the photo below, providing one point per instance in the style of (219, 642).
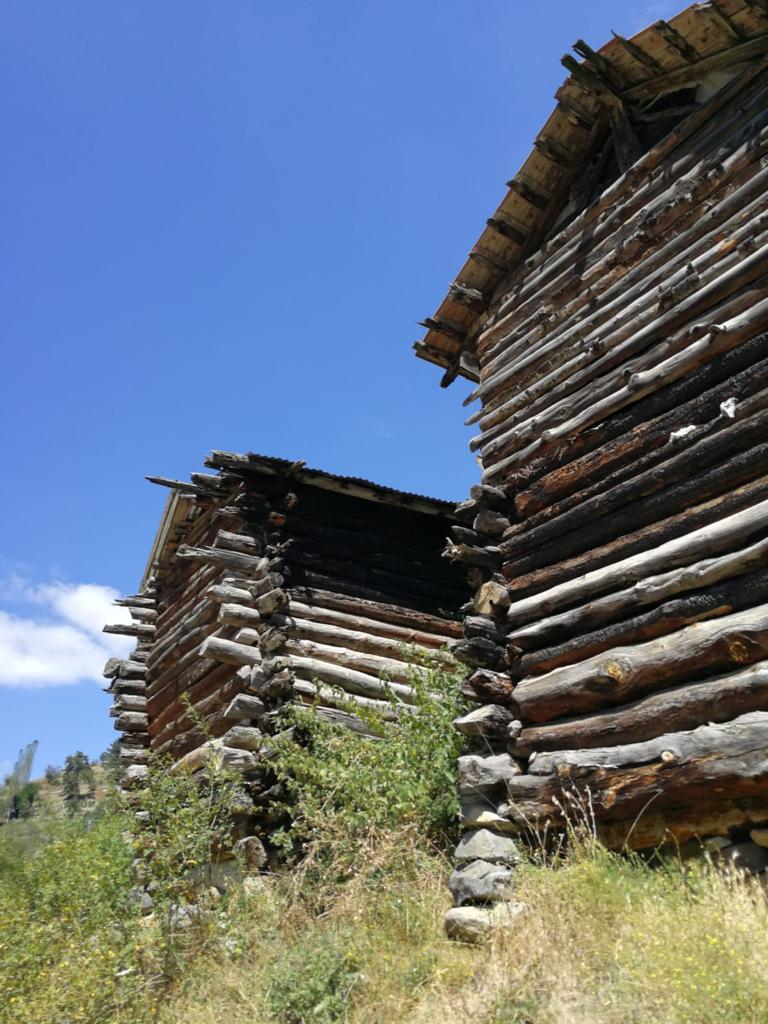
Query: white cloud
(64, 643)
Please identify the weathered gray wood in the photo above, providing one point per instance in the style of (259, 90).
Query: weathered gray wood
(230, 652)
(646, 591)
(348, 679)
(682, 707)
(707, 540)
(243, 738)
(490, 721)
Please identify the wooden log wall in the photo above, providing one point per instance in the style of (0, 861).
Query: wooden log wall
(618, 638)
(272, 586)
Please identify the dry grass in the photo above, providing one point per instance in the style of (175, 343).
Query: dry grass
(603, 941)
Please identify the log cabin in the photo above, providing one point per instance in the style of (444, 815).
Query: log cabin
(270, 583)
(613, 321)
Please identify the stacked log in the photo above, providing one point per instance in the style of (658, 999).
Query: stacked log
(617, 640)
(273, 585)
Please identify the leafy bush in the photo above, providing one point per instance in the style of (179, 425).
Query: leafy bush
(66, 924)
(341, 787)
(313, 982)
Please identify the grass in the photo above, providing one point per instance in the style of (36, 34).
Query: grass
(604, 940)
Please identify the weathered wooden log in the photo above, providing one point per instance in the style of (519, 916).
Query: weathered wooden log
(230, 652)
(238, 615)
(669, 398)
(492, 598)
(132, 721)
(614, 342)
(528, 579)
(335, 716)
(353, 639)
(576, 510)
(721, 599)
(318, 602)
(136, 601)
(328, 621)
(574, 242)
(327, 696)
(241, 542)
(398, 671)
(228, 594)
(596, 466)
(138, 629)
(479, 772)
(721, 536)
(465, 554)
(478, 652)
(646, 591)
(624, 673)
(720, 338)
(718, 699)
(249, 565)
(349, 679)
(489, 523)
(740, 735)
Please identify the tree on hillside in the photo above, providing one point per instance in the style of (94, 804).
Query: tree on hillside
(110, 762)
(77, 772)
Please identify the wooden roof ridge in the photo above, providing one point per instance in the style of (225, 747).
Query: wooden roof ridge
(664, 57)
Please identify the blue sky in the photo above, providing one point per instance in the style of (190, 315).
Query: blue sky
(221, 221)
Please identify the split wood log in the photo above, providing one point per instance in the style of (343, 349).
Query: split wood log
(625, 673)
(492, 598)
(675, 826)
(713, 539)
(349, 721)
(683, 707)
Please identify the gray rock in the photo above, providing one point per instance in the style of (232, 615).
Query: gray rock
(479, 882)
(251, 852)
(489, 720)
(475, 924)
(482, 844)
(468, 924)
(225, 874)
(478, 772)
(479, 812)
(748, 858)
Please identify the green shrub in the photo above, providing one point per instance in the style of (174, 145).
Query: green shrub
(342, 787)
(313, 982)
